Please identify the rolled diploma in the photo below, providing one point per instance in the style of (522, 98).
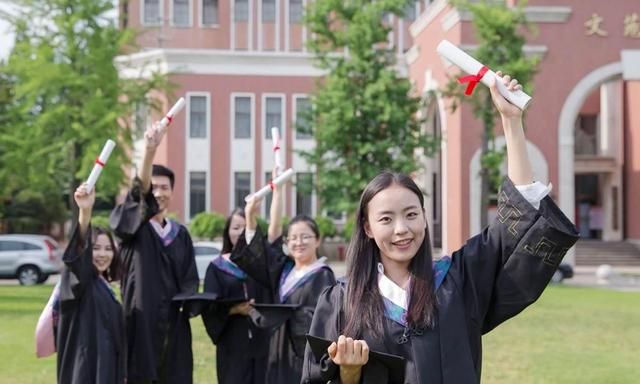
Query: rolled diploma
(286, 175)
(275, 136)
(177, 107)
(97, 167)
(470, 65)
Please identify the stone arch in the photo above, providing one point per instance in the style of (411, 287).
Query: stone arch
(540, 173)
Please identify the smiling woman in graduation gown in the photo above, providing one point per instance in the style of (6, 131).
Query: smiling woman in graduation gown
(492, 278)
(296, 280)
(241, 354)
(90, 336)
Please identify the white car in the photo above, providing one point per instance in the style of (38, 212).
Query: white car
(29, 258)
(205, 252)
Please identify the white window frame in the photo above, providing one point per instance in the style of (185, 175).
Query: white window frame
(171, 23)
(201, 12)
(161, 14)
(314, 202)
(283, 101)
(207, 95)
(252, 98)
(294, 118)
(207, 193)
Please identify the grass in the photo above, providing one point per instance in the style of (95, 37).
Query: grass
(572, 335)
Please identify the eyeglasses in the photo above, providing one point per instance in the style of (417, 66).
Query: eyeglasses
(304, 239)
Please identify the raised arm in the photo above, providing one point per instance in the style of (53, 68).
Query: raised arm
(152, 138)
(85, 201)
(275, 216)
(519, 166)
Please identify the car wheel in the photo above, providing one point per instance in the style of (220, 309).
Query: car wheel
(43, 278)
(28, 275)
(557, 277)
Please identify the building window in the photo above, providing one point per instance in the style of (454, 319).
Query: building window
(268, 11)
(141, 119)
(242, 107)
(242, 187)
(586, 135)
(304, 193)
(295, 11)
(273, 116)
(410, 11)
(197, 193)
(304, 130)
(181, 13)
(209, 12)
(151, 12)
(197, 117)
(241, 10)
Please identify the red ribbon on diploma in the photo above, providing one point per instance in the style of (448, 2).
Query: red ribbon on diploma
(169, 118)
(100, 163)
(472, 80)
(272, 185)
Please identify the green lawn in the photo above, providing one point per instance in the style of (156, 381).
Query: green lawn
(570, 336)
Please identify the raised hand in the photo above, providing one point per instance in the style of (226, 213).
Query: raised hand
(84, 199)
(506, 109)
(153, 135)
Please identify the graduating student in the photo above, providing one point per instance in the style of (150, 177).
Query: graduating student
(397, 300)
(296, 280)
(90, 332)
(159, 263)
(241, 354)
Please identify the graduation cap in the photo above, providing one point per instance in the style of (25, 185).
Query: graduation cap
(196, 303)
(381, 367)
(271, 316)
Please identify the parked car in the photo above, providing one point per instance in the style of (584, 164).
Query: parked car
(205, 252)
(29, 258)
(564, 271)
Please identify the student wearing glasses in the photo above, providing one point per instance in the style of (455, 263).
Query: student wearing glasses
(298, 278)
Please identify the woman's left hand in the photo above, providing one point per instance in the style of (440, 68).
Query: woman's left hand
(506, 109)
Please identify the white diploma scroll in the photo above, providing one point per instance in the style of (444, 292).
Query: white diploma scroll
(168, 118)
(100, 163)
(472, 66)
(275, 137)
(284, 177)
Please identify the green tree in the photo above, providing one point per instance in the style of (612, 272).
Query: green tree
(363, 115)
(207, 225)
(67, 99)
(500, 35)
(326, 226)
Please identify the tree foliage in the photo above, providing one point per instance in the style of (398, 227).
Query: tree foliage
(363, 114)
(500, 36)
(64, 100)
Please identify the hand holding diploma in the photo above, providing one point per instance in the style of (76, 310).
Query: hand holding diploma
(284, 177)
(153, 135)
(480, 73)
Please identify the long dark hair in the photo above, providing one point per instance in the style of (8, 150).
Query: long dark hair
(227, 246)
(114, 272)
(364, 307)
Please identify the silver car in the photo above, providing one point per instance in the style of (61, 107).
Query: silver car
(205, 252)
(29, 258)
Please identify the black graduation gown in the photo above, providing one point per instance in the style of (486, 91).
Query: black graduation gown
(158, 333)
(241, 354)
(493, 277)
(90, 333)
(266, 264)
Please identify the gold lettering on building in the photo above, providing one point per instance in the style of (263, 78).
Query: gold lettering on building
(594, 26)
(632, 25)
